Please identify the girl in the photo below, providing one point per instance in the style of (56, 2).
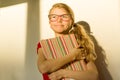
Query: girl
(61, 20)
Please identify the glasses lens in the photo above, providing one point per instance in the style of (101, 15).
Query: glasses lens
(54, 17)
(65, 17)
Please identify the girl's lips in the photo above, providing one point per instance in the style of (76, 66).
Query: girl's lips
(58, 25)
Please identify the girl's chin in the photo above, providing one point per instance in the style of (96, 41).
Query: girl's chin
(59, 30)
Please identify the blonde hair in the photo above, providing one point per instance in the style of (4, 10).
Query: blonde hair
(85, 42)
(83, 39)
(65, 7)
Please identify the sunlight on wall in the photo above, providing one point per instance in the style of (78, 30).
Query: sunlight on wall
(12, 41)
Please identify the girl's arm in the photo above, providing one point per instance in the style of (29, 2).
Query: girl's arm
(90, 73)
(48, 66)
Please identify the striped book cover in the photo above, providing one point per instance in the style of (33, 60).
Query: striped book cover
(61, 46)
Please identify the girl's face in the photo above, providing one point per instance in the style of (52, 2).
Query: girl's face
(60, 21)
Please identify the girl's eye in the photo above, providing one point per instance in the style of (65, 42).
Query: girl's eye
(53, 16)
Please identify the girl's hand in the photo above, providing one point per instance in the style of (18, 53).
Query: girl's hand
(57, 75)
(79, 54)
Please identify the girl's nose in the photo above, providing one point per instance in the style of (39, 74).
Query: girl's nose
(59, 19)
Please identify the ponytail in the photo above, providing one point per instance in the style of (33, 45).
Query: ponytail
(86, 44)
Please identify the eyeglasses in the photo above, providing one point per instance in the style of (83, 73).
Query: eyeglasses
(54, 17)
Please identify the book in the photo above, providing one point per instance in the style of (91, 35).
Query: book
(60, 46)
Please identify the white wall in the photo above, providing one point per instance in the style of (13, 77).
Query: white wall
(104, 19)
(12, 41)
(19, 35)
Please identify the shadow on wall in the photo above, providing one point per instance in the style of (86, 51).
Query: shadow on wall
(32, 38)
(104, 74)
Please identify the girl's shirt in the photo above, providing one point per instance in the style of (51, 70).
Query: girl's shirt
(45, 75)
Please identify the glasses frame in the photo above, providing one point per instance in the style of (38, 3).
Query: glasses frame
(61, 16)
